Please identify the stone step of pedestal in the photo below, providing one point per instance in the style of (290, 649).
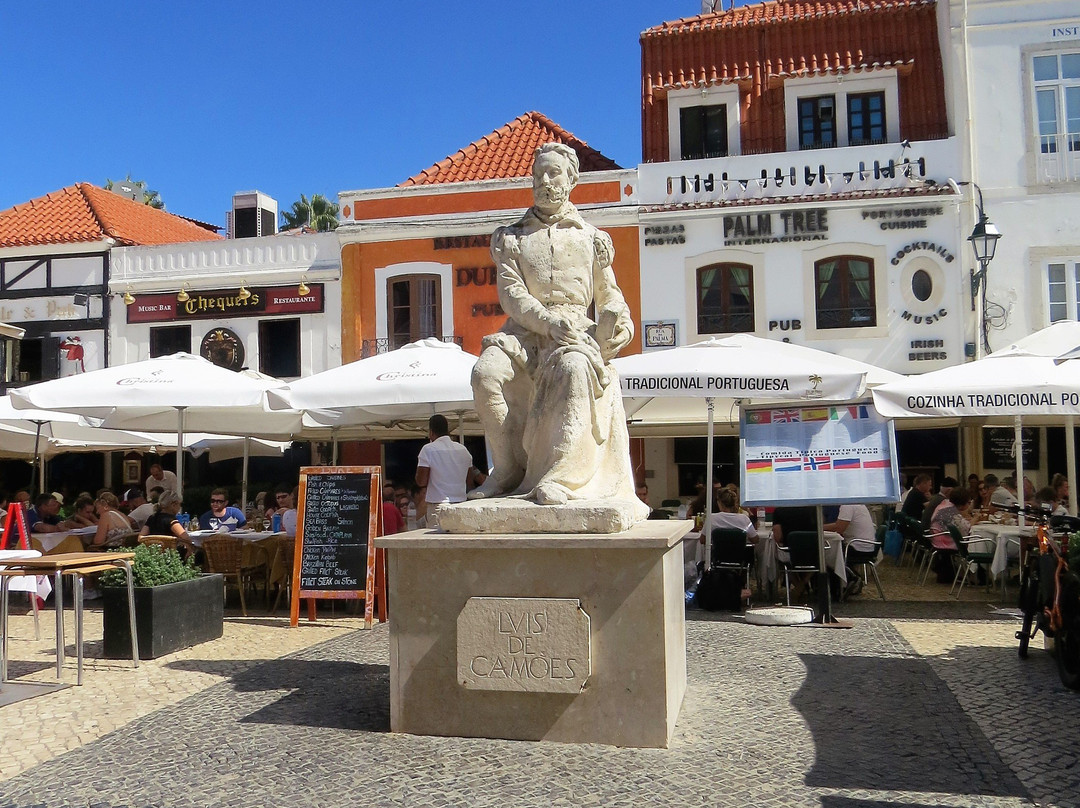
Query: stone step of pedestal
(503, 515)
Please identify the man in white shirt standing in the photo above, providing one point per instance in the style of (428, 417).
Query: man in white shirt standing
(443, 468)
(159, 478)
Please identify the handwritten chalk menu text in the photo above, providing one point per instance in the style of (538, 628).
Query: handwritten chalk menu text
(334, 555)
(537, 645)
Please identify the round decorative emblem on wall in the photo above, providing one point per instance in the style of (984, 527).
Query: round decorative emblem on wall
(223, 347)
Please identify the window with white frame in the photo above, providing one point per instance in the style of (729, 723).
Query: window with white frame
(414, 307)
(703, 123)
(1063, 289)
(844, 292)
(725, 298)
(703, 131)
(1057, 101)
(842, 110)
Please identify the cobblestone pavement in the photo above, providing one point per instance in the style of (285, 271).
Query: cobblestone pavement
(919, 712)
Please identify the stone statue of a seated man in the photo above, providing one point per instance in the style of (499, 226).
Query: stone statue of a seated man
(547, 397)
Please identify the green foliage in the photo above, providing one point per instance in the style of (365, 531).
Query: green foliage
(1074, 553)
(153, 567)
(149, 196)
(318, 213)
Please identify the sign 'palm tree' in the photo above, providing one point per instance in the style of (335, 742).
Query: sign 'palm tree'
(318, 213)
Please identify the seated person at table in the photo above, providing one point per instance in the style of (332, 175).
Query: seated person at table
(139, 509)
(163, 521)
(283, 501)
(918, 496)
(785, 522)
(221, 514)
(84, 514)
(1004, 496)
(947, 485)
(1048, 497)
(44, 516)
(113, 525)
(953, 512)
(855, 524)
(642, 492)
(289, 515)
(728, 516)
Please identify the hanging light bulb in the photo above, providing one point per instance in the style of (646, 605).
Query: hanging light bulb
(243, 294)
(182, 296)
(303, 289)
(128, 298)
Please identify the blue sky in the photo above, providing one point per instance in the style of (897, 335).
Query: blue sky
(204, 99)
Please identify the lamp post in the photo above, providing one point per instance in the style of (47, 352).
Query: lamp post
(983, 238)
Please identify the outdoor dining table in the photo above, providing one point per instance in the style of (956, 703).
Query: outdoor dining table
(256, 543)
(1004, 539)
(76, 565)
(50, 542)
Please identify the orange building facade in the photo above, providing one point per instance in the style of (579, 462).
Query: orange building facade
(416, 258)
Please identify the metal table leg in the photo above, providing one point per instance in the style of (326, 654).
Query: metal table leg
(131, 611)
(3, 627)
(76, 593)
(58, 585)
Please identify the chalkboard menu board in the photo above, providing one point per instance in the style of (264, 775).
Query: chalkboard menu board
(335, 554)
(998, 447)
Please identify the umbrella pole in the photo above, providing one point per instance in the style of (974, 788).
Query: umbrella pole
(709, 402)
(461, 427)
(37, 461)
(1018, 442)
(180, 453)
(824, 592)
(244, 475)
(333, 446)
(1070, 459)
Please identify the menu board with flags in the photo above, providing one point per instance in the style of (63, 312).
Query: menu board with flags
(819, 455)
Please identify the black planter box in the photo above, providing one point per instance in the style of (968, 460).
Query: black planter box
(167, 618)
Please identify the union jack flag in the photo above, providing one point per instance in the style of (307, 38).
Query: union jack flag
(785, 416)
(817, 463)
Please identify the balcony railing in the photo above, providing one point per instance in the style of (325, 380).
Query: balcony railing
(1059, 158)
(370, 347)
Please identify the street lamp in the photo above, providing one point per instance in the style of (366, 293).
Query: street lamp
(984, 237)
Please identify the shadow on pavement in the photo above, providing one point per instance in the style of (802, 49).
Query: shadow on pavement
(891, 724)
(330, 694)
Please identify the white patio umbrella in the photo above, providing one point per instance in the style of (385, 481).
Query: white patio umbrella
(1032, 378)
(402, 386)
(741, 368)
(170, 393)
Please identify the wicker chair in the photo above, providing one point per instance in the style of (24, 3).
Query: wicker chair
(286, 549)
(164, 542)
(224, 555)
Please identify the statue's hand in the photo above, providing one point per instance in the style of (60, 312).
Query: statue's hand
(561, 332)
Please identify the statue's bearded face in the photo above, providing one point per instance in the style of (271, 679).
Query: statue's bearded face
(552, 182)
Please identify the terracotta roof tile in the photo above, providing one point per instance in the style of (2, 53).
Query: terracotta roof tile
(508, 152)
(776, 11)
(85, 212)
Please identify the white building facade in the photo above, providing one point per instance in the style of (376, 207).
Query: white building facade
(1015, 88)
(271, 304)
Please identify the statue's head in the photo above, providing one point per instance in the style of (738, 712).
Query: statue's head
(555, 173)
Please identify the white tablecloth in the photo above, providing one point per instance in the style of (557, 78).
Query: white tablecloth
(197, 536)
(27, 583)
(1002, 540)
(50, 540)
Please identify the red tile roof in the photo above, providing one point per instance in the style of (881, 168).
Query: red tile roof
(758, 47)
(508, 152)
(85, 212)
(776, 11)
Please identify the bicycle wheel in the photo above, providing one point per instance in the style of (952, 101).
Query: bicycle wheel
(1029, 605)
(1067, 639)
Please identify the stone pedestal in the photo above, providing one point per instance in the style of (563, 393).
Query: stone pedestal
(572, 638)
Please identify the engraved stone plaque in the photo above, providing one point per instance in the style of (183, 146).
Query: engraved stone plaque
(532, 645)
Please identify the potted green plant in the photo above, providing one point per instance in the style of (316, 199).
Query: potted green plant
(176, 606)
